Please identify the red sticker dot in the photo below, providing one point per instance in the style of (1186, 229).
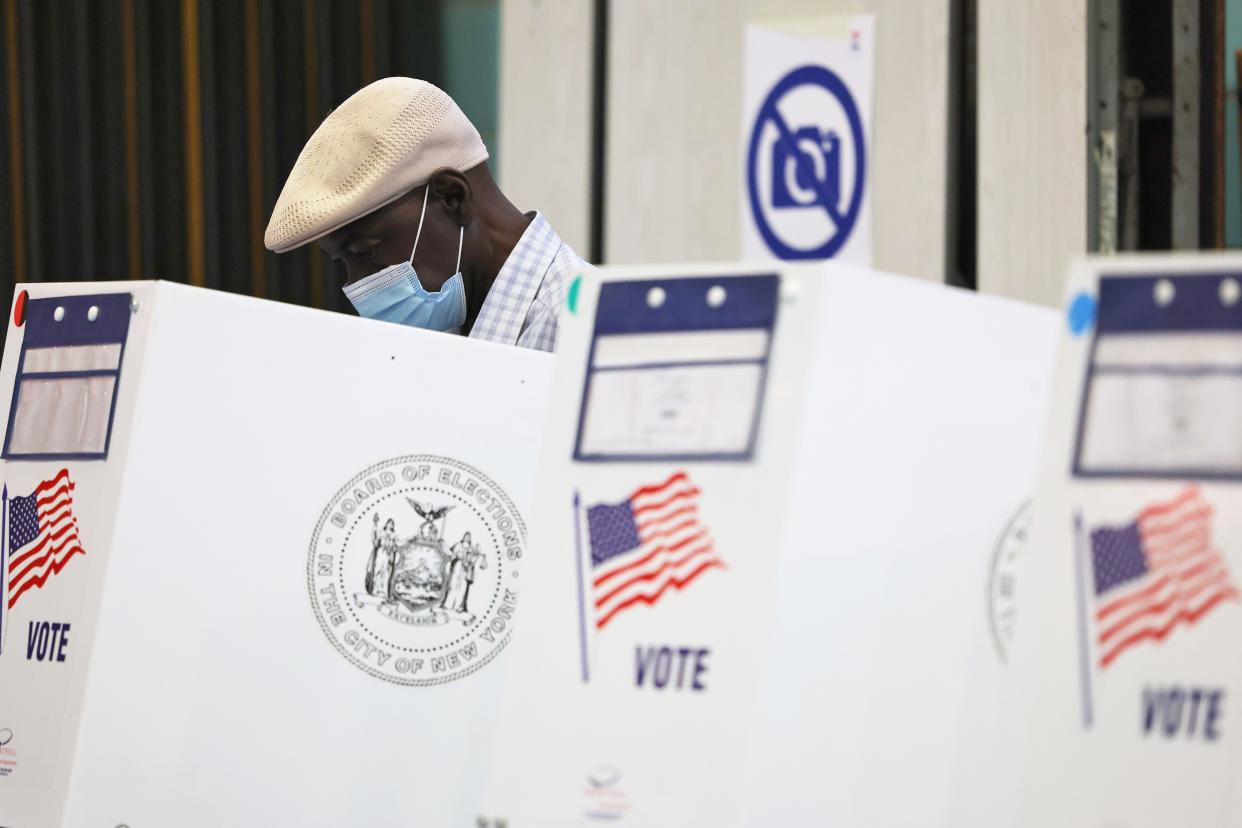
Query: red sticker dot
(19, 309)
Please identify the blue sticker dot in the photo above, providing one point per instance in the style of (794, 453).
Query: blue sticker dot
(1081, 313)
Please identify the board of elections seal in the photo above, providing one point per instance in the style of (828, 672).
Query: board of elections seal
(413, 569)
(1002, 581)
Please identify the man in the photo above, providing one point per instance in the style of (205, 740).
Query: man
(394, 184)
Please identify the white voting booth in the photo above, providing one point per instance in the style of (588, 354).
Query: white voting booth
(261, 563)
(784, 506)
(1128, 697)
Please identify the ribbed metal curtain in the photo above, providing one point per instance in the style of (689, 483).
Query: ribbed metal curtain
(148, 139)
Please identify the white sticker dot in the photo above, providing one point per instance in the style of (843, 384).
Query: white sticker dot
(656, 297)
(59, 313)
(1230, 292)
(92, 314)
(716, 296)
(1164, 292)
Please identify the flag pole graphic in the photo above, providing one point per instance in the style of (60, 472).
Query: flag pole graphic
(1084, 652)
(582, 630)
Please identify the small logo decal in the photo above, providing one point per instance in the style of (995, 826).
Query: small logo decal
(575, 290)
(1081, 314)
(606, 800)
(8, 756)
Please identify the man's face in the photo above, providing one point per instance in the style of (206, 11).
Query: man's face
(386, 237)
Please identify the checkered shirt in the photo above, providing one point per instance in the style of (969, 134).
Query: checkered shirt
(529, 291)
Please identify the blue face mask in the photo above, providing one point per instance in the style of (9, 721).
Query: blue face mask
(394, 294)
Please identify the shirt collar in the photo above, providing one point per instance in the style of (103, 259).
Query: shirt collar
(508, 302)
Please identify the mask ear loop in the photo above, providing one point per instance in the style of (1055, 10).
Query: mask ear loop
(418, 234)
(461, 238)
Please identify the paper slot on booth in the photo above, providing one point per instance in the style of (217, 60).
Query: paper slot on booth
(1163, 390)
(677, 369)
(67, 377)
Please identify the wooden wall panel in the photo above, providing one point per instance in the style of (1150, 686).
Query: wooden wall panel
(546, 74)
(150, 139)
(1032, 191)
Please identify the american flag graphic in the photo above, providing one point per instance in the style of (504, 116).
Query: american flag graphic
(1155, 573)
(646, 545)
(43, 536)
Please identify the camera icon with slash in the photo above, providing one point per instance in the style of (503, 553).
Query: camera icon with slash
(806, 171)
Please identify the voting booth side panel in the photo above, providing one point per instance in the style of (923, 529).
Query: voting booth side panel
(70, 382)
(887, 647)
(1128, 691)
(661, 496)
(320, 555)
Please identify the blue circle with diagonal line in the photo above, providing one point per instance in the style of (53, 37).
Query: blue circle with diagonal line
(843, 220)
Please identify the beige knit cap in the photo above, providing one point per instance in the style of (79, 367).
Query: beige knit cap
(387, 139)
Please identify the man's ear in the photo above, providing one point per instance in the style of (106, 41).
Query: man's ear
(452, 190)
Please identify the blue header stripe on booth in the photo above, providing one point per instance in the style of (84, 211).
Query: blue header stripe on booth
(1128, 305)
(75, 328)
(750, 302)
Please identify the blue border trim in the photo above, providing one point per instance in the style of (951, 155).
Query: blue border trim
(1127, 304)
(54, 375)
(1144, 473)
(1084, 400)
(704, 363)
(622, 309)
(751, 303)
(111, 327)
(1205, 370)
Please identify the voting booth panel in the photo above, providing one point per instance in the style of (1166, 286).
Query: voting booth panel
(671, 391)
(754, 571)
(1128, 693)
(300, 566)
(56, 502)
(887, 653)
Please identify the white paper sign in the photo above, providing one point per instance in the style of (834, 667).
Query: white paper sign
(806, 132)
(1128, 678)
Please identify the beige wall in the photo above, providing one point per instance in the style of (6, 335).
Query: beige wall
(1032, 145)
(546, 61)
(675, 173)
(674, 122)
(673, 160)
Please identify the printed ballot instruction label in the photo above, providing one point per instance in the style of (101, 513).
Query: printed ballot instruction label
(1163, 390)
(677, 369)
